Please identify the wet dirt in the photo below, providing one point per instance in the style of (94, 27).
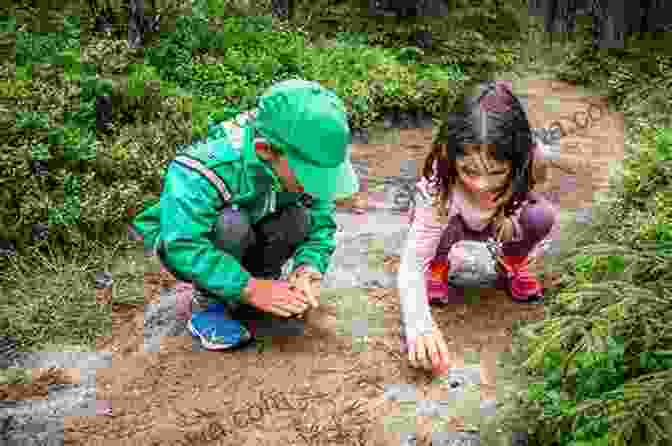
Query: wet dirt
(338, 384)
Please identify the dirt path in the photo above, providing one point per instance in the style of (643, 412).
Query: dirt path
(325, 388)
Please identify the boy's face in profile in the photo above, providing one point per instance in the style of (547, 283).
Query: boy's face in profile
(280, 167)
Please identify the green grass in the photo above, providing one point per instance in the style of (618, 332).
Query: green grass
(13, 376)
(48, 303)
(51, 300)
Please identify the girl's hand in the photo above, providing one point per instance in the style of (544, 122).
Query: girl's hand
(429, 352)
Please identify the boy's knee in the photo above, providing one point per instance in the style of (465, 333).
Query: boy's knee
(233, 232)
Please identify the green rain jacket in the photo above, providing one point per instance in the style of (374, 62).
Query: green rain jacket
(190, 203)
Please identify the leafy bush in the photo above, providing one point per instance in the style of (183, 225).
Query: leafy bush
(33, 47)
(652, 169)
(593, 376)
(165, 96)
(616, 276)
(352, 39)
(616, 271)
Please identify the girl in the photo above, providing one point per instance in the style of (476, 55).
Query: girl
(473, 207)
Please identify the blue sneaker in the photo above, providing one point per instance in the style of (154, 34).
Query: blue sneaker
(217, 329)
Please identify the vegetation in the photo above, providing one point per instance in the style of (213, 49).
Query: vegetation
(598, 368)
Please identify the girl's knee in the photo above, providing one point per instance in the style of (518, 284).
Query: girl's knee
(538, 218)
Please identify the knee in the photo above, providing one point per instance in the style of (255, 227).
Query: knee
(233, 232)
(538, 218)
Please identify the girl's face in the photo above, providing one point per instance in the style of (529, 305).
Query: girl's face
(483, 176)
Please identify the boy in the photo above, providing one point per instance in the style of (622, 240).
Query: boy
(236, 208)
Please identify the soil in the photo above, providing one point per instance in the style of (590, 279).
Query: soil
(319, 389)
(38, 387)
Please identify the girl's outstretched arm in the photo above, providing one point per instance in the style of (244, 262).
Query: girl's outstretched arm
(421, 243)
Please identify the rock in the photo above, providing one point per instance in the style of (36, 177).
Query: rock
(349, 266)
(458, 379)
(424, 39)
(103, 24)
(7, 248)
(389, 120)
(433, 8)
(282, 8)
(584, 215)
(406, 120)
(361, 168)
(519, 439)
(360, 136)
(40, 422)
(424, 120)
(456, 439)
(408, 439)
(103, 280)
(40, 232)
(400, 392)
(489, 408)
(104, 114)
(162, 320)
(40, 168)
(8, 353)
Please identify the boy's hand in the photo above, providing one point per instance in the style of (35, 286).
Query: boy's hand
(275, 296)
(308, 282)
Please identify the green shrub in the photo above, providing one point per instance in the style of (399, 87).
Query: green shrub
(650, 172)
(352, 39)
(616, 274)
(593, 376)
(205, 62)
(33, 47)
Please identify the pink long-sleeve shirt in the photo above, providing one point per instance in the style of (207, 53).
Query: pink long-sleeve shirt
(422, 242)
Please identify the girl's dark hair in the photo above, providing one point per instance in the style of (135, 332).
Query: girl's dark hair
(488, 113)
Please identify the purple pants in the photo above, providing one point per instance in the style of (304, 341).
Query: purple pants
(536, 217)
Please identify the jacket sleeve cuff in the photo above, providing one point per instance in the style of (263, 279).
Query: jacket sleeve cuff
(305, 268)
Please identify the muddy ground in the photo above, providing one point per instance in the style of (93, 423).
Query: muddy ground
(346, 381)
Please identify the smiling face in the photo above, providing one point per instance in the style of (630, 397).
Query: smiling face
(482, 176)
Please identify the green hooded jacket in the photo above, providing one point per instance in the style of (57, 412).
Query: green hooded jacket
(183, 220)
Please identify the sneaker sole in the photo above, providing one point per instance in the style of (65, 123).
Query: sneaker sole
(276, 327)
(216, 347)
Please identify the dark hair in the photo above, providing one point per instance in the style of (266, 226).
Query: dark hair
(487, 113)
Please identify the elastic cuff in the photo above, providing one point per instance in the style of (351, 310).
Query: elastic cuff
(307, 269)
